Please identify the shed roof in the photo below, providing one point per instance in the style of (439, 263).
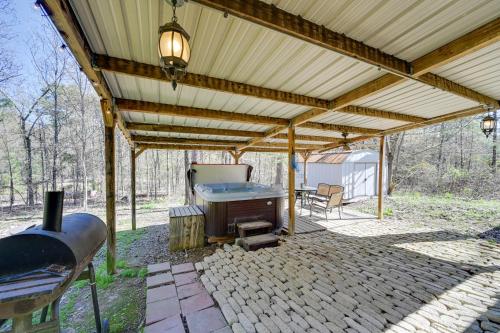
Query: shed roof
(329, 158)
(387, 65)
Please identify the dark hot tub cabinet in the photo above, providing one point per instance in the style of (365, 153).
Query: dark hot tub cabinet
(227, 198)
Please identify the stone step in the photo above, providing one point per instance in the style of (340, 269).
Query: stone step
(254, 228)
(252, 243)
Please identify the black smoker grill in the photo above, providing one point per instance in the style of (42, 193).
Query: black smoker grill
(39, 264)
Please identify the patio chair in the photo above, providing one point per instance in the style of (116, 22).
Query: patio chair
(322, 192)
(332, 200)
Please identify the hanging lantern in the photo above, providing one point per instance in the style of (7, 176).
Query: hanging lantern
(488, 125)
(173, 47)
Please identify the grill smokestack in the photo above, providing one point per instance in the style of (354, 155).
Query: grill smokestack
(52, 211)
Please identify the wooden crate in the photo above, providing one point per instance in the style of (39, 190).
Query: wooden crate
(187, 225)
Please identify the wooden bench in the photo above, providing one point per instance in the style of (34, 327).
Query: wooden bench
(186, 228)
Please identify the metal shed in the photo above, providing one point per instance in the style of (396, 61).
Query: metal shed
(357, 171)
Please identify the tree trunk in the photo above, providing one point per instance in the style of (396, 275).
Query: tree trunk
(393, 146)
(56, 141)
(440, 159)
(30, 200)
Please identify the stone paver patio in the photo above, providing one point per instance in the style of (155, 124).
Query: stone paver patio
(359, 276)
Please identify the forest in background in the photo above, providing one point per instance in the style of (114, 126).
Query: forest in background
(52, 133)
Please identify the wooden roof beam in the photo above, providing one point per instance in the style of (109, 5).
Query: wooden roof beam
(301, 137)
(277, 19)
(370, 112)
(184, 111)
(211, 148)
(163, 139)
(148, 71)
(436, 120)
(208, 142)
(340, 128)
(192, 130)
(471, 42)
(427, 122)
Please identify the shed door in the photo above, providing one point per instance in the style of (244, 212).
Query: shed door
(370, 172)
(359, 184)
(364, 179)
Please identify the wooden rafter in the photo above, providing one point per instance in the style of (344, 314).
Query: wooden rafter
(339, 128)
(272, 17)
(192, 130)
(277, 19)
(202, 147)
(466, 44)
(207, 142)
(301, 137)
(162, 139)
(184, 111)
(64, 20)
(370, 112)
(268, 134)
(205, 82)
(436, 120)
(427, 122)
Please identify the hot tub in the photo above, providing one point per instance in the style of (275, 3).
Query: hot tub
(227, 204)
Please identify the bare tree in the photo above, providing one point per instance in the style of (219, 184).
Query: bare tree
(8, 69)
(51, 70)
(28, 117)
(393, 148)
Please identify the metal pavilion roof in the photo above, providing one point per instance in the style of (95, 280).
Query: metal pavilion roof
(424, 59)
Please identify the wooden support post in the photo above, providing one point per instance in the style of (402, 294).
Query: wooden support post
(305, 156)
(109, 156)
(132, 187)
(236, 155)
(380, 208)
(291, 180)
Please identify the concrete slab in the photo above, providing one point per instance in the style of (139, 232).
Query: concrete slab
(160, 310)
(158, 268)
(170, 325)
(185, 278)
(161, 293)
(206, 320)
(183, 268)
(196, 303)
(191, 289)
(159, 280)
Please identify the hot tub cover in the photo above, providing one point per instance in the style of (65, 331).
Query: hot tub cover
(221, 192)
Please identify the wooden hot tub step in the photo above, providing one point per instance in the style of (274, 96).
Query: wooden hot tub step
(254, 228)
(252, 243)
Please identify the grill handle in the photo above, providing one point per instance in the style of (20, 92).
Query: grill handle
(52, 211)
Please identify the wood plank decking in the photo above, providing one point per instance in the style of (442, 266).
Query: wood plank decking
(303, 224)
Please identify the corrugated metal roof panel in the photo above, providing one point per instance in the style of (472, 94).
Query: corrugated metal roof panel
(130, 87)
(189, 136)
(478, 70)
(347, 119)
(407, 29)
(195, 122)
(235, 49)
(128, 29)
(417, 99)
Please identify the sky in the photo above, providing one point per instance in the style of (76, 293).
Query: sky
(25, 21)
